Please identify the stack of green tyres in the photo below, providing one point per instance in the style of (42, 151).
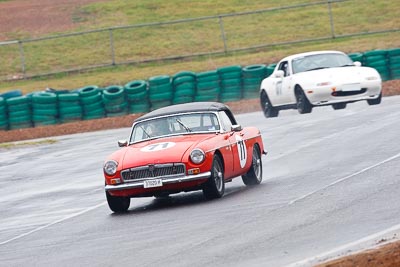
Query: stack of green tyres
(91, 102)
(160, 91)
(184, 86)
(394, 63)
(19, 112)
(231, 83)
(44, 108)
(252, 78)
(208, 86)
(357, 56)
(114, 101)
(377, 59)
(69, 107)
(3, 114)
(137, 96)
(270, 69)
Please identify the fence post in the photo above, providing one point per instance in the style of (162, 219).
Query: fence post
(112, 47)
(221, 25)
(22, 55)
(331, 19)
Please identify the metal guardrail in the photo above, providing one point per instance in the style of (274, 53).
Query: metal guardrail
(109, 44)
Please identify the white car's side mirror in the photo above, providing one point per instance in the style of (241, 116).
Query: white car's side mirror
(357, 63)
(279, 74)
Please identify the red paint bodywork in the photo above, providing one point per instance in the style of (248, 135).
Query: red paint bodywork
(225, 144)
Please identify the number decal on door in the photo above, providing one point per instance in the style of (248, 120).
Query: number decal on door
(242, 151)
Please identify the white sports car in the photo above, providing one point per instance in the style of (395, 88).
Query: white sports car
(318, 78)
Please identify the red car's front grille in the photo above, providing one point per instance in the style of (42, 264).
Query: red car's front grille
(153, 171)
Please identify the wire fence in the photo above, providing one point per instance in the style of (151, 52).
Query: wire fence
(309, 22)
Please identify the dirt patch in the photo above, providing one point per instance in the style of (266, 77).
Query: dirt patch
(35, 18)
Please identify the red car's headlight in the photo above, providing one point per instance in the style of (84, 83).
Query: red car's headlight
(110, 167)
(197, 156)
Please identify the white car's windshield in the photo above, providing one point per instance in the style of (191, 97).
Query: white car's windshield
(320, 61)
(173, 125)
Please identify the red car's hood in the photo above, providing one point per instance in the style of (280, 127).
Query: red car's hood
(162, 150)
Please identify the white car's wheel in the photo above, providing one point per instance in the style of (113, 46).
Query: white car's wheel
(303, 105)
(376, 101)
(268, 109)
(339, 106)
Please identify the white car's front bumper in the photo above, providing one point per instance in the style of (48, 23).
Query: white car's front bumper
(342, 93)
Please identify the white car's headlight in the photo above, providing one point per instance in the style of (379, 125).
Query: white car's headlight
(110, 167)
(197, 156)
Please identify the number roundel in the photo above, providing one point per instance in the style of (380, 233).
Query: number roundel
(242, 151)
(158, 146)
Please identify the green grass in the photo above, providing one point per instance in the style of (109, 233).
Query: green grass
(194, 37)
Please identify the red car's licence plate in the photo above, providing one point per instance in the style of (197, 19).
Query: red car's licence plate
(152, 183)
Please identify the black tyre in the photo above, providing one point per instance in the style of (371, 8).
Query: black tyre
(339, 106)
(215, 186)
(254, 174)
(376, 101)
(118, 204)
(268, 109)
(303, 105)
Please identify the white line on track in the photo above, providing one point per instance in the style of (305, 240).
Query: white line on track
(53, 223)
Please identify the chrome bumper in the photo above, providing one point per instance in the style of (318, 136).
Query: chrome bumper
(169, 180)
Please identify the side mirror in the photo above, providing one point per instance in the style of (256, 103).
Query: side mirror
(236, 128)
(122, 143)
(357, 63)
(279, 74)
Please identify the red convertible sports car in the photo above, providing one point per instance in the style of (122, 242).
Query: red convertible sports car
(185, 147)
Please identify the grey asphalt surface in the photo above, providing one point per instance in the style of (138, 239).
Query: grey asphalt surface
(331, 183)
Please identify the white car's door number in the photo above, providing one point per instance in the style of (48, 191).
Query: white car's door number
(242, 151)
(279, 87)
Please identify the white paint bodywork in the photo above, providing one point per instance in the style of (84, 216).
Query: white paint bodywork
(318, 85)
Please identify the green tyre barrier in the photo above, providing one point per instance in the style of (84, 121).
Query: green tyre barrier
(187, 92)
(87, 100)
(68, 97)
(184, 73)
(227, 69)
(356, 56)
(394, 60)
(20, 119)
(88, 91)
(70, 109)
(252, 71)
(116, 108)
(135, 87)
(44, 98)
(164, 88)
(270, 69)
(231, 75)
(185, 86)
(19, 113)
(231, 82)
(209, 91)
(118, 114)
(93, 116)
(159, 80)
(47, 112)
(63, 104)
(18, 107)
(137, 97)
(20, 100)
(183, 80)
(15, 126)
(99, 113)
(93, 106)
(139, 108)
(167, 96)
(201, 98)
(160, 104)
(182, 99)
(114, 92)
(377, 52)
(44, 106)
(393, 52)
(11, 94)
(112, 102)
(207, 76)
(207, 85)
